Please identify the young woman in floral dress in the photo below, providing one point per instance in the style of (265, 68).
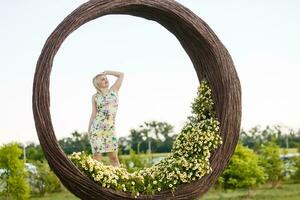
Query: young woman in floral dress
(101, 129)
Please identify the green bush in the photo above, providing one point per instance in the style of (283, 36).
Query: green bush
(269, 158)
(134, 161)
(43, 180)
(14, 174)
(243, 170)
(296, 175)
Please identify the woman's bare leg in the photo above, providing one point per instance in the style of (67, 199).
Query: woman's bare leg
(113, 157)
(97, 156)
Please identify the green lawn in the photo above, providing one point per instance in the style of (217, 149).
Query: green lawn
(285, 192)
(57, 196)
(289, 150)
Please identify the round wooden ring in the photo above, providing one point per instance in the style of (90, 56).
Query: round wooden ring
(210, 59)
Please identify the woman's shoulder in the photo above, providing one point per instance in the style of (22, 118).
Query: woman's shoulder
(95, 95)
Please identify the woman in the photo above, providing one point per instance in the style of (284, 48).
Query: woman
(102, 122)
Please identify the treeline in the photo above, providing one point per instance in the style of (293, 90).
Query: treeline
(159, 136)
(284, 136)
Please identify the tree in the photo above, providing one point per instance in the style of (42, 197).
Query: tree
(296, 160)
(243, 170)
(124, 145)
(137, 141)
(296, 175)
(43, 179)
(14, 174)
(270, 159)
(162, 132)
(34, 152)
(154, 133)
(160, 129)
(78, 142)
(284, 136)
(298, 147)
(256, 136)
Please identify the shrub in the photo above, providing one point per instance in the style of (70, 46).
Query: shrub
(43, 180)
(243, 170)
(270, 159)
(134, 161)
(296, 175)
(14, 175)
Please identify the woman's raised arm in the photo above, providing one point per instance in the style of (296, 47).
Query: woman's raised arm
(117, 84)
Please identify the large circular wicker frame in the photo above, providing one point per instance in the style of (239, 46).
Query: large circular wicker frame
(210, 59)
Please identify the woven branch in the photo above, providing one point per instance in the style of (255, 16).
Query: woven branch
(210, 59)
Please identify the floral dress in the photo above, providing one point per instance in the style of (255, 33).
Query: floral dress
(102, 131)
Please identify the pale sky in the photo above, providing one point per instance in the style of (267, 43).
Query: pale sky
(160, 81)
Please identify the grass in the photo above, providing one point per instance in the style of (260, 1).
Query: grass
(287, 191)
(289, 150)
(57, 196)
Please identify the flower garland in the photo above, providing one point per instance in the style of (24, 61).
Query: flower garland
(187, 162)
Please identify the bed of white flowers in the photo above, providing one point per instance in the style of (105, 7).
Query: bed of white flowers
(187, 162)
